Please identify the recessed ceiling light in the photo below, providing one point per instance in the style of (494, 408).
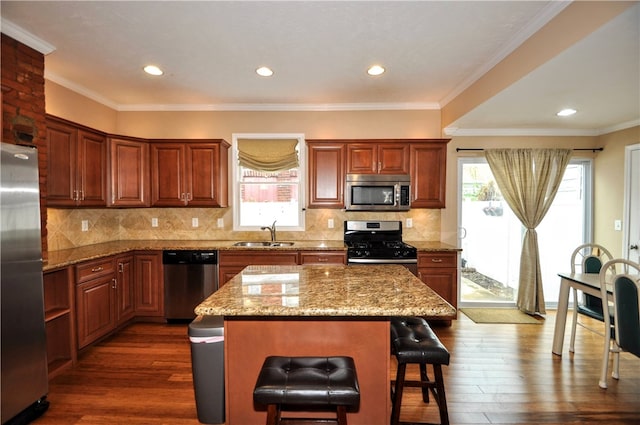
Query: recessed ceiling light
(375, 70)
(153, 70)
(264, 71)
(566, 112)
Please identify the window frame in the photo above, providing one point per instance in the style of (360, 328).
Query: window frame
(302, 176)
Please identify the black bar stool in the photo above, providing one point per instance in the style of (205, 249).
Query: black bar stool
(414, 342)
(307, 383)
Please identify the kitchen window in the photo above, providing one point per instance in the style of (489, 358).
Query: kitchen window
(268, 175)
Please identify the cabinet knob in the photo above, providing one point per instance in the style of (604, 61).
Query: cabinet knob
(120, 267)
(96, 269)
(114, 283)
(436, 260)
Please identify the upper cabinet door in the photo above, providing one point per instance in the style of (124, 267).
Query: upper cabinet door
(203, 174)
(76, 166)
(92, 153)
(326, 175)
(189, 174)
(428, 174)
(167, 175)
(62, 147)
(378, 158)
(129, 173)
(393, 158)
(362, 158)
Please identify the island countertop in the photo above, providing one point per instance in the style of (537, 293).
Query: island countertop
(326, 290)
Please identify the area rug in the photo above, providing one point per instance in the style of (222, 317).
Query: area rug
(501, 315)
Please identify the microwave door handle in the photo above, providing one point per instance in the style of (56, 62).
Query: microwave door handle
(396, 199)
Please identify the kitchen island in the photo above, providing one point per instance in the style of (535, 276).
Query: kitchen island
(316, 311)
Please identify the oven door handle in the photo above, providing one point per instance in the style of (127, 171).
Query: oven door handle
(382, 261)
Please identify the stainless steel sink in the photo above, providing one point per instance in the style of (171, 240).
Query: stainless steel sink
(270, 244)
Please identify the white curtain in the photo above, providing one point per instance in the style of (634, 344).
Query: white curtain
(529, 180)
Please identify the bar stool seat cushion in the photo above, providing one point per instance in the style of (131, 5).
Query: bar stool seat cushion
(413, 341)
(309, 381)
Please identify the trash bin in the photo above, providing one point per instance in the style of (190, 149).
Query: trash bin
(206, 334)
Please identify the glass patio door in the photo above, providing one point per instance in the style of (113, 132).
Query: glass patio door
(492, 235)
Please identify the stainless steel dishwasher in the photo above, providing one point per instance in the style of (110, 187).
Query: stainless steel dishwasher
(190, 276)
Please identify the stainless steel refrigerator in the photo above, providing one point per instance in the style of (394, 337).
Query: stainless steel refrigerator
(24, 352)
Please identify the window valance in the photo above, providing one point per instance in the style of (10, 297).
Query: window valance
(268, 154)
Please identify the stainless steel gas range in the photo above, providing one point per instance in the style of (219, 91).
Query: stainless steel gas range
(378, 242)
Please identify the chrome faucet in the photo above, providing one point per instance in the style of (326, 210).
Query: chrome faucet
(271, 230)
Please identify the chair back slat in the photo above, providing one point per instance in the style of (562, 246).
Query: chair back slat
(591, 264)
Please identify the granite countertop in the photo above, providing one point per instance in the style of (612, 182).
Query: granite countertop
(327, 290)
(72, 256)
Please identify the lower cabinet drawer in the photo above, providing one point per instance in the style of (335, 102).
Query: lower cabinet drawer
(94, 269)
(314, 257)
(438, 259)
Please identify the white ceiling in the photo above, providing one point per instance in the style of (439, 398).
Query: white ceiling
(320, 51)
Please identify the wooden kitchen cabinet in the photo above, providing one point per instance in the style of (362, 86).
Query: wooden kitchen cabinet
(129, 182)
(376, 157)
(326, 174)
(439, 270)
(428, 167)
(322, 257)
(149, 285)
(189, 173)
(230, 263)
(59, 322)
(125, 308)
(76, 165)
(95, 300)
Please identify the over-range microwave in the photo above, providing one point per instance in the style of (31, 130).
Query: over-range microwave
(377, 192)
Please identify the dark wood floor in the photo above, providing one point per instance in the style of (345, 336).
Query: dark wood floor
(499, 374)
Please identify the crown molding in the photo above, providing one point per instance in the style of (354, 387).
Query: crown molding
(79, 89)
(291, 107)
(453, 131)
(25, 37)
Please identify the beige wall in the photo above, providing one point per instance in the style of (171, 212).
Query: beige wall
(107, 224)
(65, 103)
(609, 187)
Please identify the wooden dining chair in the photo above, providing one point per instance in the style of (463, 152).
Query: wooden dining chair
(624, 279)
(587, 258)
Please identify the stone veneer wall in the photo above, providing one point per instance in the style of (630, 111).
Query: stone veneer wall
(175, 223)
(23, 103)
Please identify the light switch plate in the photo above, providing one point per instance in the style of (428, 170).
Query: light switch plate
(221, 222)
(194, 222)
(409, 223)
(154, 222)
(330, 223)
(617, 225)
(85, 225)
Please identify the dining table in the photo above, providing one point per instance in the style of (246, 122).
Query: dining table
(589, 283)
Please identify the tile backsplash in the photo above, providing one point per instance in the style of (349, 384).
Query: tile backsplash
(104, 225)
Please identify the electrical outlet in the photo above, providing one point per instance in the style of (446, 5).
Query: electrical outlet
(221, 222)
(409, 223)
(85, 225)
(154, 222)
(617, 225)
(194, 222)
(330, 224)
